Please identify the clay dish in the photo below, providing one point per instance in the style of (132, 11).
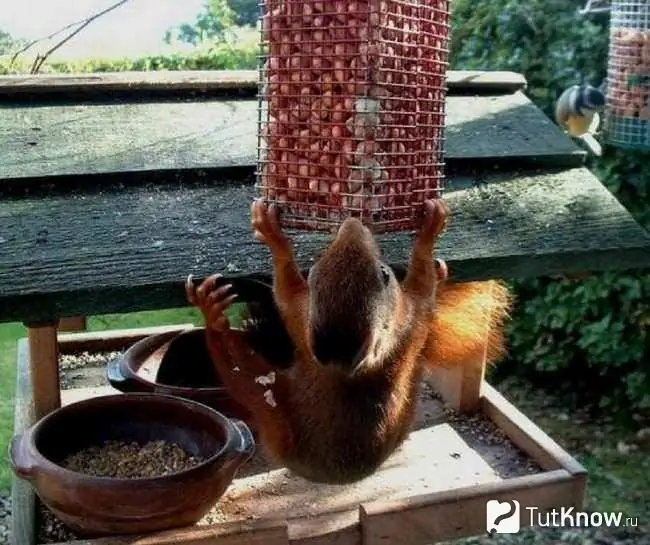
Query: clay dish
(95, 506)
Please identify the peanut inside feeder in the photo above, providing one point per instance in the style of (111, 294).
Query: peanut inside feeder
(628, 75)
(351, 110)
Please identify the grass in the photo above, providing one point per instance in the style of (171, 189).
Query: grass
(9, 334)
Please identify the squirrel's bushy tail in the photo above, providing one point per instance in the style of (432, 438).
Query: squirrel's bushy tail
(465, 314)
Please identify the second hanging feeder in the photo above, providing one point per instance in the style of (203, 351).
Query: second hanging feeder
(628, 75)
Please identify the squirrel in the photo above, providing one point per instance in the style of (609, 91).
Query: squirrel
(361, 342)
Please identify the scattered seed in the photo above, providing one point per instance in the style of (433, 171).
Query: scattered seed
(268, 397)
(266, 380)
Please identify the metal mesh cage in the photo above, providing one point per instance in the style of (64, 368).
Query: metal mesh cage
(351, 109)
(627, 111)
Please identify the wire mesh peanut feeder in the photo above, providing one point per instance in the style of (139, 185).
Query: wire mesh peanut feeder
(628, 75)
(351, 109)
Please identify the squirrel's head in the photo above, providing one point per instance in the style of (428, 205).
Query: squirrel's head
(353, 302)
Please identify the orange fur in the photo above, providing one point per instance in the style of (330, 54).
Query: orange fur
(465, 314)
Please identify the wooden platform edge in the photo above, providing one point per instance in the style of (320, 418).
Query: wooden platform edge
(452, 515)
(416, 520)
(524, 433)
(262, 532)
(112, 339)
(23, 498)
(204, 80)
(341, 528)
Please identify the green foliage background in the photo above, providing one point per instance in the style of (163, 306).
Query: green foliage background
(589, 338)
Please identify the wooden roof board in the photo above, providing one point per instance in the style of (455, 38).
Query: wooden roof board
(78, 140)
(122, 251)
(199, 80)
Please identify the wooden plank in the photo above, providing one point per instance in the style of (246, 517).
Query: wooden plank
(237, 533)
(478, 80)
(23, 499)
(514, 224)
(111, 339)
(200, 80)
(74, 395)
(44, 364)
(340, 528)
(461, 513)
(80, 140)
(526, 434)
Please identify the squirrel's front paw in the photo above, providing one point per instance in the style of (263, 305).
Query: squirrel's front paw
(266, 226)
(436, 215)
(211, 300)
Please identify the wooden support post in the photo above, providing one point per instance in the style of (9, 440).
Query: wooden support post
(75, 323)
(460, 387)
(44, 367)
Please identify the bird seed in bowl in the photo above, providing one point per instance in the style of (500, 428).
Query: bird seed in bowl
(130, 460)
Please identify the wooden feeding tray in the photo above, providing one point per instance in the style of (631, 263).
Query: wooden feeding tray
(434, 488)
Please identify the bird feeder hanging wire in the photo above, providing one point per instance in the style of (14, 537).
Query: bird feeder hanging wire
(627, 119)
(595, 6)
(351, 109)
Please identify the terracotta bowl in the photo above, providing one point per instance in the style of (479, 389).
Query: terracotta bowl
(176, 364)
(95, 506)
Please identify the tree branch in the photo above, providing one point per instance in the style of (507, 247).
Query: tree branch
(81, 24)
(29, 45)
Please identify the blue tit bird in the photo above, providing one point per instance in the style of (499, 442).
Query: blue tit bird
(577, 111)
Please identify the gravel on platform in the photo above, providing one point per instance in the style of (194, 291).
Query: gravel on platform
(5, 520)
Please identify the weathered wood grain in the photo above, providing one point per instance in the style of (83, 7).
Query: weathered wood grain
(108, 340)
(201, 80)
(120, 251)
(46, 141)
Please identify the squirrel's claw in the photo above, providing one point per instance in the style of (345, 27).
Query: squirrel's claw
(190, 293)
(436, 216)
(266, 225)
(210, 301)
(442, 271)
